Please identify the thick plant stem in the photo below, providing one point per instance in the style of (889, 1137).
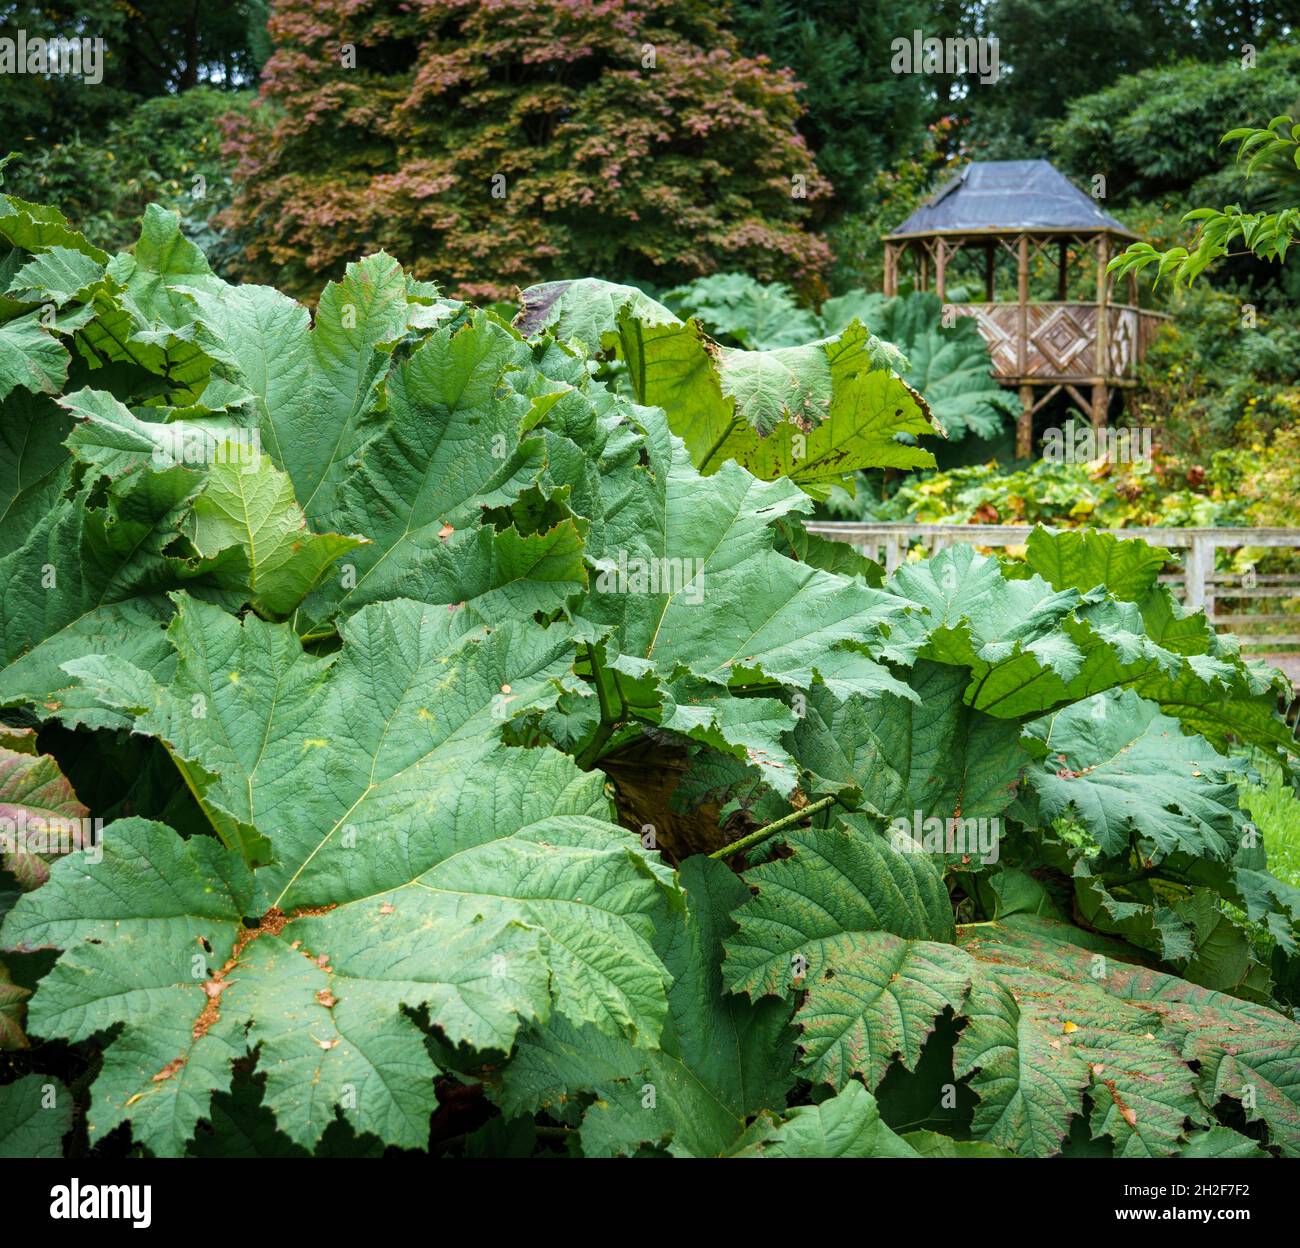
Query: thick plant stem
(608, 716)
(761, 834)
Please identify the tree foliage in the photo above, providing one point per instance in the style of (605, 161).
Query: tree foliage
(1273, 149)
(150, 48)
(530, 134)
(858, 119)
(1152, 134)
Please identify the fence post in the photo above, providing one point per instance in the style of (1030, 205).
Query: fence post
(894, 548)
(1198, 567)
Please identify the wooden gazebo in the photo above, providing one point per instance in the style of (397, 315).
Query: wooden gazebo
(1063, 330)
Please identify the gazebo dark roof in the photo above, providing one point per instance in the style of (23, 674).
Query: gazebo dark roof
(1009, 195)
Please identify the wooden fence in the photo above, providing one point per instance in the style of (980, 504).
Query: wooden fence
(1241, 604)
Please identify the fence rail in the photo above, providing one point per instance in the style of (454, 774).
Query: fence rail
(1195, 581)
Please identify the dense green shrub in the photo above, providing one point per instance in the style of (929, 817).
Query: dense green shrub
(1155, 135)
(1222, 373)
(156, 152)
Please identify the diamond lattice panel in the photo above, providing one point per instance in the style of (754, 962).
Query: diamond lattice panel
(1061, 340)
(998, 325)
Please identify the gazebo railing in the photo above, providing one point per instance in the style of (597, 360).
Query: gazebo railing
(1224, 597)
(1056, 340)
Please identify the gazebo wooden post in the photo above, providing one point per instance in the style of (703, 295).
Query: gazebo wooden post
(1100, 390)
(988, 272)
(940, 269)
(1060, 271)
(1025, 422)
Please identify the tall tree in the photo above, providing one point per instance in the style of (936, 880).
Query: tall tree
(1054, 51)
(489, 146)
(150, 48)
(860, 117)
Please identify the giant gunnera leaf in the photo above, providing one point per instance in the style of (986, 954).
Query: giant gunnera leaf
(948, 363)
(420, 869)
(814, 414)
(1030, 648)
(807, 928)
(35, 1115)
(1121, 767)
(719, 1062)
(1056, 1025)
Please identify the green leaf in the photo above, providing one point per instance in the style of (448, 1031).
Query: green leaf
(688, 579)
(31, 357)
(322, 991)
(1084, 559)
(35, 1115)
(246, 713)
(1036, 1044)
(830, 556)
(33, 464)
(498, 575)
(56, 276)
(252, 508)
(1220, 1142)
(873, 997)
(585, 311)
(162, 260)
(917, 755)
(450, 447)
(1031, 649)
(719, 1062)
(814, 413)
(317, 387)
(38, 227)
(112, 438)
(242, 1126)
(396, 819)
(1121, 767)
(845, 1125)
(932, 1144)
(759, 315)
(1144, 1028)
(90, 580)
(749, 729)
(948, 365)
(821, 921)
